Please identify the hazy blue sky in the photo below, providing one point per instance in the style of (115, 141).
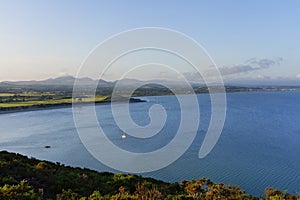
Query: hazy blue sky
(42, 39)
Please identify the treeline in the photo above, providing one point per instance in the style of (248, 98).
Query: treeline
(29, 178)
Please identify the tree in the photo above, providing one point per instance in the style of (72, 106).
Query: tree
(22, 191)
(67, 195)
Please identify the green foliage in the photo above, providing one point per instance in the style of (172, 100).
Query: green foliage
(24, 178)
(67, 195)
(26, 101)
(274, 194)
(22, 191)
(41, 165)
(147, 192)
(95, 196)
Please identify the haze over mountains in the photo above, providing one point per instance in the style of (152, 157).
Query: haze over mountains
(69, 81)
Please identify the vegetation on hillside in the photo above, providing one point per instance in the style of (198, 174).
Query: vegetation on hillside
(8, 100)
(28, 95)
(24, 178)
(34, 100)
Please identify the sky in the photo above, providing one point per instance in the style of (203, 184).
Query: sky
(247, 40)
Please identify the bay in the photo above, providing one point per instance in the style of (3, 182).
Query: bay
(258, 148)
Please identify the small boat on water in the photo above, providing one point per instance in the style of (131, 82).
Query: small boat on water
(123, 136)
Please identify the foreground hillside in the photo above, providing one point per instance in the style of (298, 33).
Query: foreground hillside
(29, 178)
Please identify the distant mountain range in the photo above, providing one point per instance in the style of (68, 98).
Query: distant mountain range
(65, 83)
(64, 80)
(69, 81)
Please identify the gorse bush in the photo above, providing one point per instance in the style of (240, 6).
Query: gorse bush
(22, 178)
(18, 192)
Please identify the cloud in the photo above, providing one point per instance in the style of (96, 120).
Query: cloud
(298, 76)
(252, 64)
(235, 69)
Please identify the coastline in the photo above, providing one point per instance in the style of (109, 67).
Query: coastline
(40, 178)
(60, 106)
(37, 177)
(105, 101)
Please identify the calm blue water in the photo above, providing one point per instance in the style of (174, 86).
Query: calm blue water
(259, 145)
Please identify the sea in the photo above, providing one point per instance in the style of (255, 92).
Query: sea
(259, 145)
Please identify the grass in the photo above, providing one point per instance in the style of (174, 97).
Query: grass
(28, 103)
(6, 94)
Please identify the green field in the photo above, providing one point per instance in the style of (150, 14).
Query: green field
(38, 99)
(6, 94)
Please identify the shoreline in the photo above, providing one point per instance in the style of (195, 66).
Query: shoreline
(106, 101)
(60, 106)
(40, 176)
